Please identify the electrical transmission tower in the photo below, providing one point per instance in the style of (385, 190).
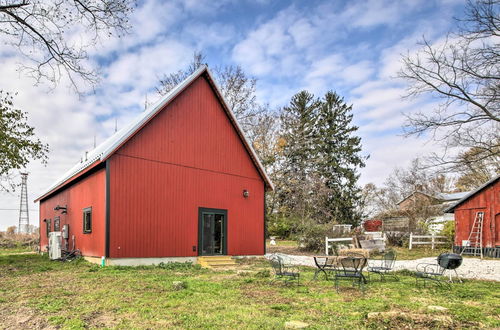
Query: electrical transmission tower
(24, 216)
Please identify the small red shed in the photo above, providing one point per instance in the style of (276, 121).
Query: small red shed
(484, 199)
(178, 182)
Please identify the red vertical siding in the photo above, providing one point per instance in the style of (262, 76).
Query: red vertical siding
(487, 201)
(188, 156)
(88, 192)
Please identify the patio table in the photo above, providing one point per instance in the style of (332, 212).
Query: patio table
(325, 263)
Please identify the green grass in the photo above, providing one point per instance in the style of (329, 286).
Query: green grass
(280, 242)
(20, 249)
(37, 293)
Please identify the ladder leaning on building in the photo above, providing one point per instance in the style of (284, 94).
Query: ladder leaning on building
(474, 245)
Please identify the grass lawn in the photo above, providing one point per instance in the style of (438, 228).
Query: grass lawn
(35, 292)
(20, 249)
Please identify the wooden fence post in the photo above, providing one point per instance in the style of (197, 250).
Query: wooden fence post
(432, 240)
(326, 245)
(411, 241)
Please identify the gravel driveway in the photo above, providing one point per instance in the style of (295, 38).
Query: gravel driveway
(472, 268)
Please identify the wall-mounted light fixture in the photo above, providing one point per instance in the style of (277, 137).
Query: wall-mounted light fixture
(63, 208)
(246, 193)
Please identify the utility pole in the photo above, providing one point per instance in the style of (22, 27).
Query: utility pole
(24, 216)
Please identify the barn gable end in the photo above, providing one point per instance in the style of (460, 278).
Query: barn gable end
(189, 156)
(193, 131)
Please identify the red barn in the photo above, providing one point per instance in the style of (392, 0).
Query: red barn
(178, 182)
(484, 199)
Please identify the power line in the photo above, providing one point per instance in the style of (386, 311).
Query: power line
(16, 209)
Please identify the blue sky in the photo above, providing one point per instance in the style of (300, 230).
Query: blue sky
(352, 47)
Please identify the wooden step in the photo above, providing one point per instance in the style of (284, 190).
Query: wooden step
(216, 261)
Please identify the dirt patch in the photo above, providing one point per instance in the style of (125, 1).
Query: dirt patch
(349, 294)
(23, 318)
(405, 320)
(257, 295)
(101, 320)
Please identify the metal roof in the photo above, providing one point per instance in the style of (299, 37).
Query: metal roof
(452, 196)
(472, 193)
(104, 150)
(444, 197)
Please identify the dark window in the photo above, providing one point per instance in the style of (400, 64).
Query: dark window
(87, 220)
(48, 226)
(57, 222)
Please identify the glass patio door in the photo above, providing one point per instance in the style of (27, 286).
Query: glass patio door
(212, 232)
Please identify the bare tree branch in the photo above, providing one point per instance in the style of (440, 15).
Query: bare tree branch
(464, 72)
(55, 34)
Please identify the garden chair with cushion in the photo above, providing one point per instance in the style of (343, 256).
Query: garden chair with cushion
(284, 271)
(384, 266)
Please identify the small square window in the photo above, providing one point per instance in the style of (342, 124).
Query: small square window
(87, 220)
(57, 224)
(47, 221)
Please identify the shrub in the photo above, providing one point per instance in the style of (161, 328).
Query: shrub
(449, 231)
(280, 226)
(397, 238)
(14, 240)
(312, 235)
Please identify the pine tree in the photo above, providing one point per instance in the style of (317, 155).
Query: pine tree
(296, 140)
(320, 160)
(338, 158)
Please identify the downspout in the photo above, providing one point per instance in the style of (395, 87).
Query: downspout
(107, 232)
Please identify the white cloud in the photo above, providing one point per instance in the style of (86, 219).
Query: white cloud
(271, 49)
(376, 12)
(142, 68)
(210, 35)
(149, 21)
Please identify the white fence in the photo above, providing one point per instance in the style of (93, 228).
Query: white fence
(414, 240)
(332, 240)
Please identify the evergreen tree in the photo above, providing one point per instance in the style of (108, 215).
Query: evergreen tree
(319, 160)
(338, 158)
(296, 140)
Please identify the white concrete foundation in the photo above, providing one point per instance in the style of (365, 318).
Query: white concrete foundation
(140, 261)
(250, 256)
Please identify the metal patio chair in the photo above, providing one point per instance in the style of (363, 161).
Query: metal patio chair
(351, 268)
(384, 266)
(283, 271)
(436, 272)
(430, 272)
